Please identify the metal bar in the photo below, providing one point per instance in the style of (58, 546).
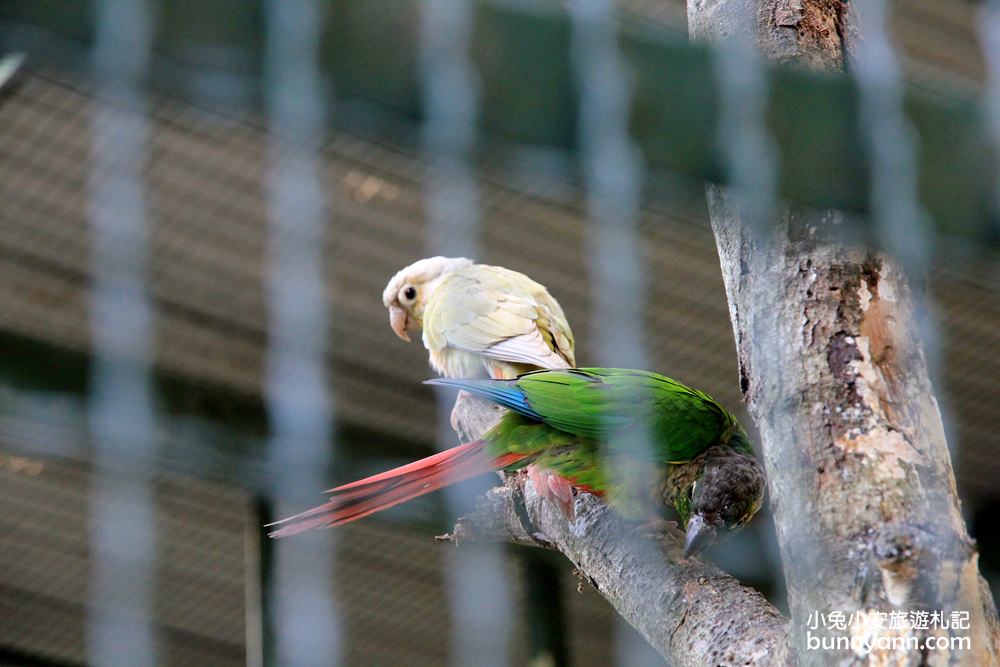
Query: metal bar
(899, 221)
(120, 626)
(449, 86)
(748, 150)
(901, 225)
(478, 591)
(613, 173)
(298, 594)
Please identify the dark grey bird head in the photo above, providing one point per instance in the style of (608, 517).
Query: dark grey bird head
(727, 492)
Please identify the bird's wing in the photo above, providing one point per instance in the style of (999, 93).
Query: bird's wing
(622, 407)
(576, 401)
(501, 314)
(646, 416)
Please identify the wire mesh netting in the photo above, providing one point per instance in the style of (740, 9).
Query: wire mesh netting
(210, 319)
(208, 470)
(46, 558)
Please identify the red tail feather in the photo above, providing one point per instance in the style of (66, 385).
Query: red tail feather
(356, 500)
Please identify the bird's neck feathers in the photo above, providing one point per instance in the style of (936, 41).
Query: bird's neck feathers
(444, 267)
(430, 288)
(737, 438)
(676, 487)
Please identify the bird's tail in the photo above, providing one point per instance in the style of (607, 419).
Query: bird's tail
(356, 500)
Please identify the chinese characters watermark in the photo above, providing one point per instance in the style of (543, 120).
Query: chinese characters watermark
(870, 630)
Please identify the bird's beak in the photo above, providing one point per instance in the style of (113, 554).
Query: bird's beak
(699, 535)
(399, 321)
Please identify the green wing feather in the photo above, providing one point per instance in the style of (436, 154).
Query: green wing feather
(613, 405)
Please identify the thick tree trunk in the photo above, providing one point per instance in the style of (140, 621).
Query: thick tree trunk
(834, 375)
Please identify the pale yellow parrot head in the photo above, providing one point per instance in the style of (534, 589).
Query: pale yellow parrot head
(411, 288)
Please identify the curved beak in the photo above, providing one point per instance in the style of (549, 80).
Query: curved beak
(399, 321)
(699, 535)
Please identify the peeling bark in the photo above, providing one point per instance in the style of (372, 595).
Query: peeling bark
(691, 612)
(834, 375)
(806, 33)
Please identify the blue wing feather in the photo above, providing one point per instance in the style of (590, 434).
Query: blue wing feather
(501, 392)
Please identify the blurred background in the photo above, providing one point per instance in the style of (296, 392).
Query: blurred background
(200, 204)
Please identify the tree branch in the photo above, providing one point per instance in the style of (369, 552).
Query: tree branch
(691, 612)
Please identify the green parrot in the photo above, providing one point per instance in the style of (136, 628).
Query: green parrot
(637, 439)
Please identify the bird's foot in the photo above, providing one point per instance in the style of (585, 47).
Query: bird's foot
(554, 488)
(658, 527)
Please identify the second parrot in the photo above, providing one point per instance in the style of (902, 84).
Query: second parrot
(635, 438)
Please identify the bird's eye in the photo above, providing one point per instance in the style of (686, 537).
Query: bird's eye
(409, 293)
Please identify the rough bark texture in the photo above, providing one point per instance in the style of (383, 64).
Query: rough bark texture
(834, 375)
(691, 612)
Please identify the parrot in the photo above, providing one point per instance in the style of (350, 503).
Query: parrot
(478, 320)
(590, 426)
(481, 320)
